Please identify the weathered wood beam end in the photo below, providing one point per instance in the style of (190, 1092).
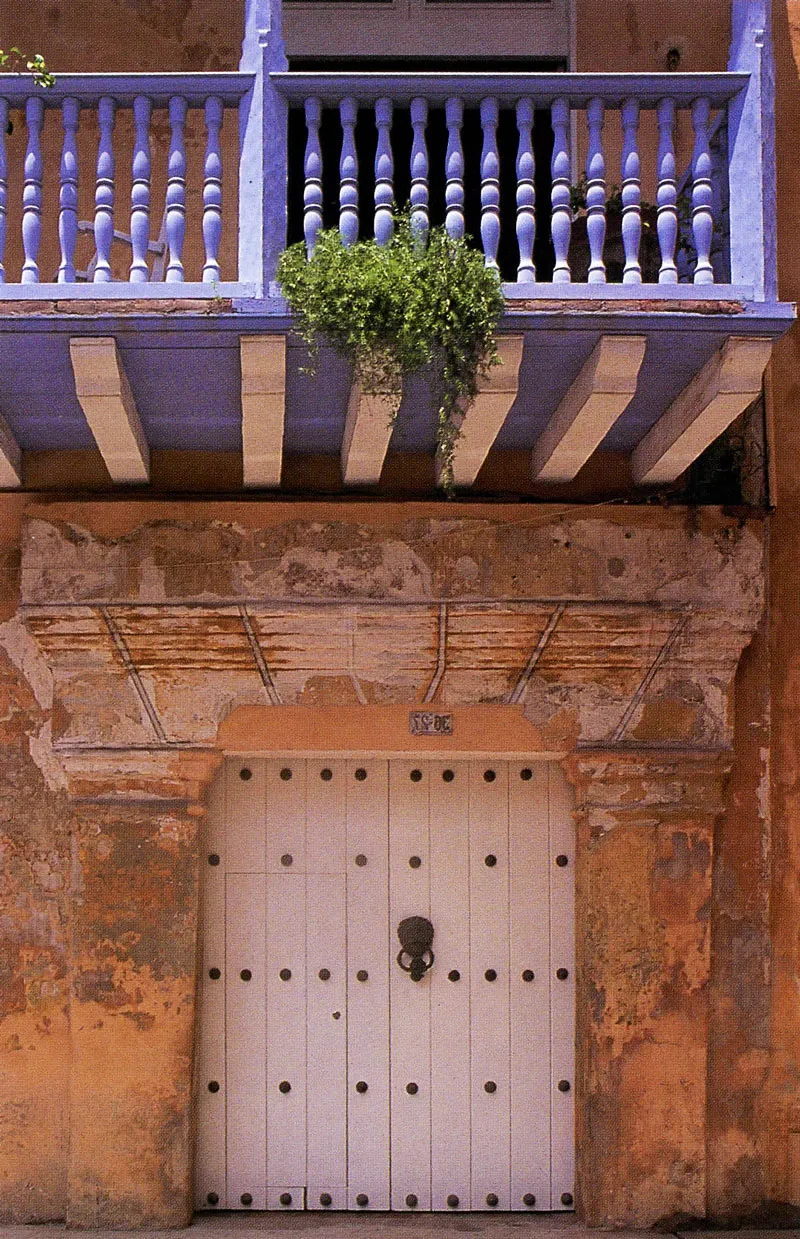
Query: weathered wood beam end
(263, 360)
(482, 422)
(367, 431)
(715, 397)
(598, 396)
(10, 458)
(105, 396)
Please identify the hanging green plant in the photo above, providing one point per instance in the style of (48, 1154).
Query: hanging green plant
(394, 309)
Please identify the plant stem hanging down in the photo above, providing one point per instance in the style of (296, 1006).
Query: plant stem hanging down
(394, 309)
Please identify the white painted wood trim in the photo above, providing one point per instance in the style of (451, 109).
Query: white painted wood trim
(105, 396)
(10, 458)
(482, 422)
(263, 362)
(715, 397)
(367, 430)
(598, 396)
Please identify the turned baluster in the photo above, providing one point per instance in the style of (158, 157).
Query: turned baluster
(312, 168)
(561, 221)
(454, 169)
(348, 173)
(490, 183)
(631, 193)
(3, 184)
(595, 192)
(140, 190)
(702, 193)
(526, 193)
(32, 191)
(419, 171)
(176, 190)
(104, 192)
(212, 190)
(666, 194)
(68, 192)
(384, 173)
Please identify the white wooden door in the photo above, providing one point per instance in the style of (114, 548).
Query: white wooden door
(329, 1078)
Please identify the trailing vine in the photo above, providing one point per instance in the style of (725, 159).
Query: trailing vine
(394, 309)
(16, 61)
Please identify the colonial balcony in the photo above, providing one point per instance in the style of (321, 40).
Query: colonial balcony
(141, 218)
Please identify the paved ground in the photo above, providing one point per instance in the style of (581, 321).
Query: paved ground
(377, 1225)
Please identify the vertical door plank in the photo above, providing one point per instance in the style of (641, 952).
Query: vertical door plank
(409, 895)
(326, 1069)
(246, 1038)
(562, 955)
(245, 815)
(286, 1031)
(368, 999)
(286, 816)
(210, 1143)
(450, 999)
(489, 949)
(529, 862)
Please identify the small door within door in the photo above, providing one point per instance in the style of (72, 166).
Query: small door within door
(387, 999)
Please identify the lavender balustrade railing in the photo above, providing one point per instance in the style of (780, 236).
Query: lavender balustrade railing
(624, 181)
(92, 110)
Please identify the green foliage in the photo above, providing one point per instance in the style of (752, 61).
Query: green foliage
(394, 309)
(15, 61)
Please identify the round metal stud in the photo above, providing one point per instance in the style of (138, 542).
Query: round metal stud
(324, 974)
(563, 1086)
(448, 775)
(490, 861)
(361, 774)
(490, 1087)
(452, 1202)
(562, 861)
(337, 1015)
(526, 775)
(412, 1088)
(246, 974)
(246, 1198)
(415, 861)
(287, 859)
(566, 1199)
(492, 1200)
(562, 973)
(416, 776)
(214, 973)
(362, 1200)
(489, 776)
(284, 1086)
(326, 775)
(362, 1086)
(285, 974)
(454, 975)
(213, 859)
(213, 1086)
(326, 1200)
(212, 1198)
(411, 1201)
(490, 974)
(285, 1198)
(286, 774)
(528, 974)
(362, 974)
(361, 860)
(245, 774)
(529, 1199)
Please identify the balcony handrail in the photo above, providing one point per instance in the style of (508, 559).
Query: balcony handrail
(541, 88)
(89, 88)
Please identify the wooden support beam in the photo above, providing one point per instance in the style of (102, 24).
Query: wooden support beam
(10, 458)
(263, 408)
(601, 392)
(367, 431)
(483, 420)
(715, 397)
(107, 401)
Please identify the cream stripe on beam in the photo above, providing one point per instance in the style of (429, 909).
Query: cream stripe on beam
(483, 420)
(105, 396)
(600, 394)
(263, 408)
(367, 431)
(10, 458)
(723, 389)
